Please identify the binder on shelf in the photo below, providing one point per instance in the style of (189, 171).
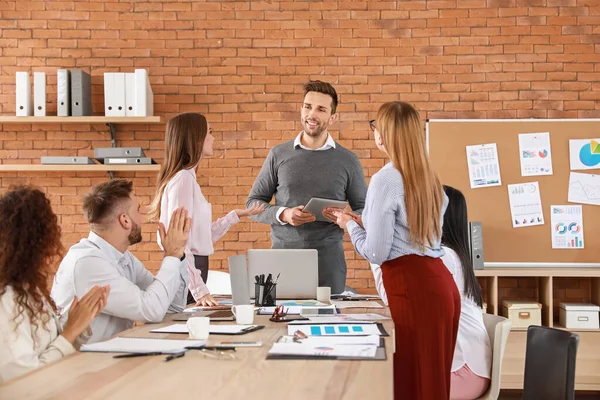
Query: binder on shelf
(63, 93)
(114, 94)
(129, 160)
(130, 94)
(476, 241)
(39, 94)
(81, 93)
(24, 106)
(57, 160)
(115, 152)
(144, 98)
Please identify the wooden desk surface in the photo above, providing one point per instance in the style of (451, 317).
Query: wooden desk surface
(250, 376)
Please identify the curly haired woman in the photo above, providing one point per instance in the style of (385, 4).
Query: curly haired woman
(31, 334)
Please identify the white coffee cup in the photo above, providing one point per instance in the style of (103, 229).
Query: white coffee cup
(198, 327)
(324, 294)
(244, 314)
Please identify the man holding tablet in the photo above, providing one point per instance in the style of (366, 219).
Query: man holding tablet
(311, 165)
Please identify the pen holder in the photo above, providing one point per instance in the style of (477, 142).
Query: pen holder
(265, 295)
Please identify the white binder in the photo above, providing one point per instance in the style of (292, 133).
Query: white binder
(24, 105)
(63, 93)
(130, 94)
(144, 98)
(114, 94)
(39, 94)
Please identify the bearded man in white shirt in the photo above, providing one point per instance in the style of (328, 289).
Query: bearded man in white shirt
(113, 212)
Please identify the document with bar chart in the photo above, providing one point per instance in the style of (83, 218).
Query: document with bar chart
(567, 227)
(484, 168)
(525, 204)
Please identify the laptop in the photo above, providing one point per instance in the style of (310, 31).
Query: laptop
(238, 274)
(299, 269)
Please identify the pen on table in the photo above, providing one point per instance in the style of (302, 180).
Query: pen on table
(210, 348)
(174, 356)
(129, 355)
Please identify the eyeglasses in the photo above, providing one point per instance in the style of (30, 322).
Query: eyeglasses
(279, 313)
(298, 336)
(372, 125)
(218, 354)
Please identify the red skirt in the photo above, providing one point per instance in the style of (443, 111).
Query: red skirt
(425, 306)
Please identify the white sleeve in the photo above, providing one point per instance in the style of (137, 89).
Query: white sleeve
(17, 347)
(126, 299)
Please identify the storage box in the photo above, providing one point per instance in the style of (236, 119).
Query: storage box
(522, 313)
(579, 315)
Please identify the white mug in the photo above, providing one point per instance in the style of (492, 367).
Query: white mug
(324, 294)
(244, 314)
(198, 327)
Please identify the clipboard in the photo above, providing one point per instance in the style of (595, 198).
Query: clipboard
(182, 329)
(380, 355)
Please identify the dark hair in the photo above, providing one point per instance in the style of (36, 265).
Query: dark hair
(455, 236)
(325, 88)
(104, 199)
(29, 246)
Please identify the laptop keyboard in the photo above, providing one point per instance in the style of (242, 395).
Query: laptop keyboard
(220, 314)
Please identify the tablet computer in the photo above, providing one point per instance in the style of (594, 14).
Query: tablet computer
(316, 205)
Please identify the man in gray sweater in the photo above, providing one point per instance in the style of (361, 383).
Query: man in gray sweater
(312, 165)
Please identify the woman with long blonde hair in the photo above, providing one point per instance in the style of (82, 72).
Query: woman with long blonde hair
(188, 139)
(401, 229)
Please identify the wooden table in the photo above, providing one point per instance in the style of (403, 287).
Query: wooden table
(250, 375)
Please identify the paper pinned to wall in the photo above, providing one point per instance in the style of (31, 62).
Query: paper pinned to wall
(525, 204)
(584, 188)
(484, 168)
(535, 154)
(567, 227)
(584, 154)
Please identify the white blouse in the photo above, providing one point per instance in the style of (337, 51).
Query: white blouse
(29, 346)
(472, 343)
(183, 191)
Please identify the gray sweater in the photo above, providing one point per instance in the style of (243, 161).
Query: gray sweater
(293, 176)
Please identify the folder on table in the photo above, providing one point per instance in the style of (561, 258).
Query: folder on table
(81, 93)
(63, 93)
(39, 94)
(24, 106)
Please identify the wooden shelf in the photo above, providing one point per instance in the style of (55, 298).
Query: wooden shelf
(77, 168)
(558, 326)
(79, 120)
(539, 272)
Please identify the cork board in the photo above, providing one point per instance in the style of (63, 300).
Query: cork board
(447, 141)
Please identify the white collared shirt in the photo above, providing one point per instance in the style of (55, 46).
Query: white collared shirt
(135, 294)
(329, 144)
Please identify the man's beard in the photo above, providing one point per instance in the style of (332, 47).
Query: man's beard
(135, 236)
(316, 133)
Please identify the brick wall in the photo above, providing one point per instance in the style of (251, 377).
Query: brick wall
(242, 64)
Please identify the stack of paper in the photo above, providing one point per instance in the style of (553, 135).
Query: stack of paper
(335, 329)
(339, 347)
(214, 329)
(138, 345)
(356, 304)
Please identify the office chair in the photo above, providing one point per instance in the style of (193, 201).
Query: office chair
(550, 364)
(498, 329)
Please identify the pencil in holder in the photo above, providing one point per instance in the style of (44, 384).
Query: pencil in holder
(265, 295)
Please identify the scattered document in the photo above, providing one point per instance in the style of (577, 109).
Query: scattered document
(584, 188)
(343, 318)
(584, 154)
(525, 204)
(334, 340)
(215, 329)
(301, 349)
(335, 330)
(484, 168)
(139, 345)
(299, 303)
(535, 154)
(356, 304)
(567, 227)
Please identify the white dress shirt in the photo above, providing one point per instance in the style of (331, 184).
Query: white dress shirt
(472, 343)
(135, 294)
(183, 191)
(29, 346)
(329, 144)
